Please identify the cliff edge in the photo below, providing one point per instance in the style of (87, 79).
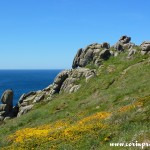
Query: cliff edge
(104, 98)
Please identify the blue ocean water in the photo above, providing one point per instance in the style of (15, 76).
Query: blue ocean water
(24, 81)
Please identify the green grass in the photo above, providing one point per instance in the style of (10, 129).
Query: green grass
(114, 87)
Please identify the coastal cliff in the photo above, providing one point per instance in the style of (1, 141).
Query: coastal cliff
(106, 85)
(67, 81)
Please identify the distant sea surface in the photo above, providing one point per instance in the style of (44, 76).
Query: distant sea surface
(24, 81)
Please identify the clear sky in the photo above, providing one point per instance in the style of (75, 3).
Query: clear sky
(46, 34)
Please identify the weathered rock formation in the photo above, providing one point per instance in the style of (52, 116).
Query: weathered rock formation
(6, 108)
(68, 80)
(93, 53)
(26, 101)
(123, 43)
(97, 53)
(24, 110)
(145, 46)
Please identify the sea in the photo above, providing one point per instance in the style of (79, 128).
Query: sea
(24, 81)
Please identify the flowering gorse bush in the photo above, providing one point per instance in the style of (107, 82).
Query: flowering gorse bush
(137, 104)
(62, 130)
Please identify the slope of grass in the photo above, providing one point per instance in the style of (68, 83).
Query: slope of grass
(111, 107)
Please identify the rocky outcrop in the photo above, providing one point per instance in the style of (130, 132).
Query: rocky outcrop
(124, 39)
(24, 110)
(123, 43)
(93, 53)
(7, 98)
(27, 101)
(69, 81)
(61, 77)
(6, 108)
(97, 53)
(105, 54)
(145, 46)
(66, 81)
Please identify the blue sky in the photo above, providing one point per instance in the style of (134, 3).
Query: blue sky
(46, 34)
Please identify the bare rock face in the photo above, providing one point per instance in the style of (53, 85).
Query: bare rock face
(74, 88)
(39, 98)
(1, 118)
(123, 43)
(24, 110)
(7, 97)
(7, 106)
(145, 46)
(66, 81)
(27, 101)
(91, 54)
(96, 53)
(26, 98)
(105, 54)
(125, 39)
(61, 77)
(105, 45)
(77, 59)
(4, 108)
(118, 46)
(74, 76)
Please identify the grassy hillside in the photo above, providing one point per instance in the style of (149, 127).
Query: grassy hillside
(114, 106)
